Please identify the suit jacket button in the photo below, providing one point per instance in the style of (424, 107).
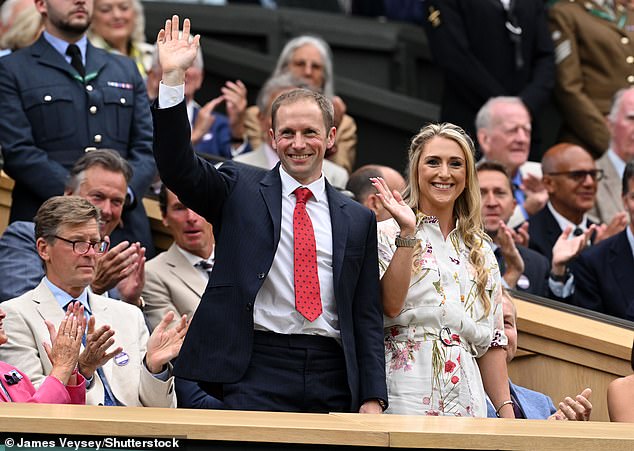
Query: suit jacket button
(261, 275)
(249, 307)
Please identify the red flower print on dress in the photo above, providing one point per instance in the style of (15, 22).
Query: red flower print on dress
(455, 379)
(426, 400)
(455, 337)
(449, 366)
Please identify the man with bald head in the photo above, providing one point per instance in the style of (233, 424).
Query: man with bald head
(359, 185)
(570, 177)
(621, 151)
(504, 135)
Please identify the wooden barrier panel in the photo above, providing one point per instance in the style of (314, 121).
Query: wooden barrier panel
(207, 429)
(563, 353)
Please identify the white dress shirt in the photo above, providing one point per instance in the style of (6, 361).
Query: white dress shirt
(274, 308)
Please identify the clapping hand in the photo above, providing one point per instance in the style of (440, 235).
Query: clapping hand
(95, 353)
(578, 409)
(165, 342)
(66, 342)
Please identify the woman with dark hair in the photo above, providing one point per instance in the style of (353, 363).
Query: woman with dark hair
(441, 286)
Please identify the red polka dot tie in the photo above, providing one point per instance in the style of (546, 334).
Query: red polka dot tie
(307, 294)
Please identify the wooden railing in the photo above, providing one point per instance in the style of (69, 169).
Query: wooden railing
(212, 429)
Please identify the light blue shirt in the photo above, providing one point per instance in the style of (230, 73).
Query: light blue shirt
(64, 298)
(60, 45)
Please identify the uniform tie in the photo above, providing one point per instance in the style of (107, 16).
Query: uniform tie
(75, 59)
(306, 278)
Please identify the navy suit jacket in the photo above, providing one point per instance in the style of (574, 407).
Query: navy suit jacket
(535, 405)
(536, 270)
(244, 206)
(603, 277)
(544, 231)
(46, 123)
(217, 141)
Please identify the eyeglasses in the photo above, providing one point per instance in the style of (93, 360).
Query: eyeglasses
(580, 176)
(82, 247)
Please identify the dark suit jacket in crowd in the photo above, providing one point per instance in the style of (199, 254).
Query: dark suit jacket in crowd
(46, 124)
(217, 141)
(470, 42)
(244, 206)
(604, 277)
(544, 231)
(536, 270)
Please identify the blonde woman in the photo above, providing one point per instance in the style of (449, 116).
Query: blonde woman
(118, 26)
(441, 286)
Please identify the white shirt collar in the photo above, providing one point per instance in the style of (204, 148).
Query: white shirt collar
(563, 222)
(289, 185)
(193, 259)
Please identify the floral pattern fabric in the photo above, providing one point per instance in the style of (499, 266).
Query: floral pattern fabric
(432, 345)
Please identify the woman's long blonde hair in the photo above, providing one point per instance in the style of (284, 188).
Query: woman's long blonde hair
(467, 206)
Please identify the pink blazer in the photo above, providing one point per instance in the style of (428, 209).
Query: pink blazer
(52, 391)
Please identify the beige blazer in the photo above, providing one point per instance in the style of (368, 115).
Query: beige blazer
(336, 175)
(608, 201)
(171, 283)
(132, 384)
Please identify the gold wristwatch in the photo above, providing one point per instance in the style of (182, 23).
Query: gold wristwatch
(405, 242)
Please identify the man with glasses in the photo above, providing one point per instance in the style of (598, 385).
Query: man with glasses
(603, 273)
(122, 365)
(101, 177)
(570, 177)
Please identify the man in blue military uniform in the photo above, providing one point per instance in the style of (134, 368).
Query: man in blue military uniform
(62, 97)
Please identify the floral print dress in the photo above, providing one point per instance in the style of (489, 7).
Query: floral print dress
(432, 345)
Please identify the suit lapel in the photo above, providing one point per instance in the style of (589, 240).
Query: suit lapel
(180, 267)
(96, 59)
(551, 229)
(45, 54)
(621, 262)
(339, 221)
(47, 305)
(270, 188)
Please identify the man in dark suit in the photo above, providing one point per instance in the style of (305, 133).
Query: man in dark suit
(522, 268)
(570, 177)
(603, 273)
(62, 97)
(252, 338)
(490, 48)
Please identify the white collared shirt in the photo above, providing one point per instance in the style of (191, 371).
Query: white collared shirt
(194, 259)
(563, 222)
(274, 308)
